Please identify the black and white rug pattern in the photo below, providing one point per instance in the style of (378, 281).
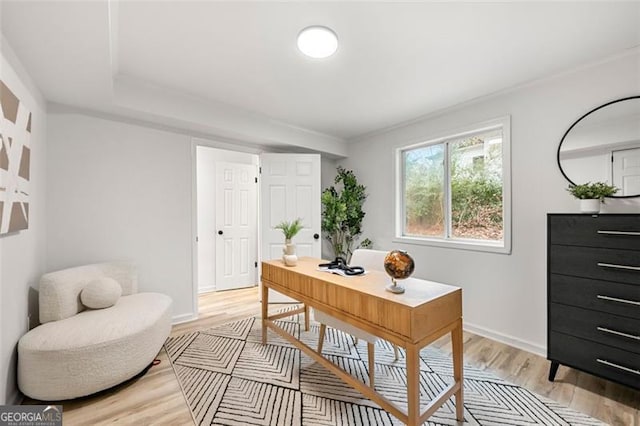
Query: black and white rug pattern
(229, 378)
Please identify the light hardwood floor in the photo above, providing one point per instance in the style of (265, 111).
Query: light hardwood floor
(156, 398)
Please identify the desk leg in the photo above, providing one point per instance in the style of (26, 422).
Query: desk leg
(265, 312)
(371, 350)
(413, 385)
(323, 330)
(306, 318)
(456, 343)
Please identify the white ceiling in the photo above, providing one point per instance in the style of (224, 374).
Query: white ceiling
(395, 61)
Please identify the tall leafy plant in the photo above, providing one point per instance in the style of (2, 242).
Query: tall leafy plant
(342, 214)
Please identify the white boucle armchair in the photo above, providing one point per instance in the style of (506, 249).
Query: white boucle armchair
(78, 351)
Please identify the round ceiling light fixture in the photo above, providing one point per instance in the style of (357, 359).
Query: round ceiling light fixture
(317, 42)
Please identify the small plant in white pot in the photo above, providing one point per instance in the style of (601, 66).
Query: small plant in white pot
(591, 195)
(290, 230)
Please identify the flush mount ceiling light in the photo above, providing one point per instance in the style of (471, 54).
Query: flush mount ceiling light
(317, 42)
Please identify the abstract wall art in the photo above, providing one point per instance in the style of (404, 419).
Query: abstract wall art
(15, 159)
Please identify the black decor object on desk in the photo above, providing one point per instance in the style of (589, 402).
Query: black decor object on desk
(593, 295)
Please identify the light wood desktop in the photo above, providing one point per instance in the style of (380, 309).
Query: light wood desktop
(424, 313)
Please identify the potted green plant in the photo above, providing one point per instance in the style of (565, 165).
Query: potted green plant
(591, 195)
(290, 230)
(342, 214)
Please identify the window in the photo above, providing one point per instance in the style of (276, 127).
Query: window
(455, 191)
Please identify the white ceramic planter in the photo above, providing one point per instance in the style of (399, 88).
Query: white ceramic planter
(590, 206)
(290, 259)
(289, 254)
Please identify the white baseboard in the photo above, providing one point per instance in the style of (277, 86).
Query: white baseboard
(206, 289)
(179, 319)
(506, 339)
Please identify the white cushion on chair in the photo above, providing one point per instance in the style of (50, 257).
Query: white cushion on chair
(101, 293)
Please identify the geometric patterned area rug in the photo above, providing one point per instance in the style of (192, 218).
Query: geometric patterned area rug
(229, 378)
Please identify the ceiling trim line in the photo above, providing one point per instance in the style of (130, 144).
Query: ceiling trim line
(58, 108)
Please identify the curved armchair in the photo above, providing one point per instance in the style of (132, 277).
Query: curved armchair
(369, 260)
(78, 351)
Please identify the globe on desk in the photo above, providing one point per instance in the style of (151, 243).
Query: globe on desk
(399, 265)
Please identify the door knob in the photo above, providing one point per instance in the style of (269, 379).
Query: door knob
(316, 236)
(220, 232)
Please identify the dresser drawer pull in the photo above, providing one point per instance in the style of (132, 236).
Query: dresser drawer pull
(637, 234)
(620, 367)
(614, 266)
(615, 299)
(617, 333)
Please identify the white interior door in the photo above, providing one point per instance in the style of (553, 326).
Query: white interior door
(236, 224)
(625, 169)
(290, 189)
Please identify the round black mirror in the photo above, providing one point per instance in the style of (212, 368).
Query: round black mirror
(604, 146)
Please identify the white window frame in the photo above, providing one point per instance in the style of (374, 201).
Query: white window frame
(502, 247)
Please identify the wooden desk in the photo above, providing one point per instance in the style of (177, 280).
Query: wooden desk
(424, 313)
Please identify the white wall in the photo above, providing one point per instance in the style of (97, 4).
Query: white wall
(328, 170)
(124, 191)
(206, 180)
(22, 253)
(588, 168)
(504, 295)
(119, 191)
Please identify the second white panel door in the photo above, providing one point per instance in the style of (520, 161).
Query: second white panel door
(290, 189)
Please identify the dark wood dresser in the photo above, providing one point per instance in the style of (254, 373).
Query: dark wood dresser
(593, 295)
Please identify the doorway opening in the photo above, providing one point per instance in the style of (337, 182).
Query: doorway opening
(625, 171)
(226, 219)
(239, 198)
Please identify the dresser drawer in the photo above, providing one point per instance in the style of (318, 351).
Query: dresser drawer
(596, 263)
(602, 360)
(609, 231)
(603, 296)
(608, 329)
